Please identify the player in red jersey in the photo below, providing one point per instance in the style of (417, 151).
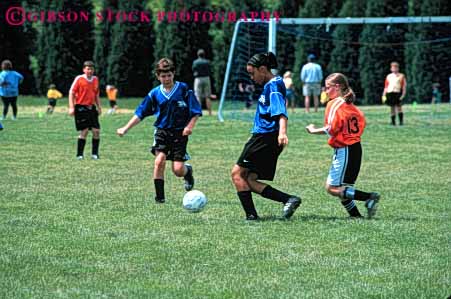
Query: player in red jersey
(84, 104)
(344, 124)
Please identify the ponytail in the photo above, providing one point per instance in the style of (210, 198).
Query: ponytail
(263, 59)
(346, 91)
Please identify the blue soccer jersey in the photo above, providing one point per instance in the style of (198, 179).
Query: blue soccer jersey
(271, 105)
(9, 83)
(173, 109)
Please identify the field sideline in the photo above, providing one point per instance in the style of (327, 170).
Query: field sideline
(90, 229)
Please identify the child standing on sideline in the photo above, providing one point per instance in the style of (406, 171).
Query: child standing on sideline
(52, 95)
(9, 88)
(84, 105)
(288, 81)
(177, 111)
(258, 160)
(394, 92)
(111, 92)
(344, 124)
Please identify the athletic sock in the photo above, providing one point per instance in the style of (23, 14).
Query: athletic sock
(274, 194)
(401, 118)
(80, 146)
(95, 146)
(354, 194)
(159, 188)
(351, 208)
(247, 203)
(393, 120)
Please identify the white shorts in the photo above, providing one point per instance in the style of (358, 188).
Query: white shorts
(311, 89)
(202, 88)
(345, 165)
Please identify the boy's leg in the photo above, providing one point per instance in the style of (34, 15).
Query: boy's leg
(5, 107)
(158, 176)
(371, 199)
(239, 175)
(347, 202)
(95, 143)
(393, 115)
(14, 106)
(291, 202)
(81, 143)
(181, 169)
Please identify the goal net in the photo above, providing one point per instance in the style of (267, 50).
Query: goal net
(361, 48)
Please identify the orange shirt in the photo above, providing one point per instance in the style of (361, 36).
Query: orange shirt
(111, 93)
(85, 91)
(344, 123)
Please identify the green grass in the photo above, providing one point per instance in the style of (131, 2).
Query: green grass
(90, 229)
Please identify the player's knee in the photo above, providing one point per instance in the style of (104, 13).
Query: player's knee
(160, 162)
(179, 170)
(332, 190)
(237, 175)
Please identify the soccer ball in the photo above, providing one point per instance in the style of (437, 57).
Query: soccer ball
(194, 201)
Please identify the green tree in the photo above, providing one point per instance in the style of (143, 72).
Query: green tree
(380, 44)
(315, 39)
(103, 41)
(426, 62)
(131, 56)
(17, 44)
(64, 46)
(345, 54)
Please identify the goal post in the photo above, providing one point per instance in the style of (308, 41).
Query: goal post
(268, 32)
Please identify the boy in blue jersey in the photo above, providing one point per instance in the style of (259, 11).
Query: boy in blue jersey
(177, 111)
(9, 88)
(258, 160)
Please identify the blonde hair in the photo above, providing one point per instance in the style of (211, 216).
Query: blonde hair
(287, 74)
(346, 91)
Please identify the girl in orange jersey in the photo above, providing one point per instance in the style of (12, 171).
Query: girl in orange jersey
(344, 124)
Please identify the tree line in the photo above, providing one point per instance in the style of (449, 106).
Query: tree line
(125, 52)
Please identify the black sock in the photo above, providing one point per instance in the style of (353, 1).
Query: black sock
(401, 118)
(247, 203)
(159, 188)
(274, 194)
(393, 120)
(351, 208)
(354, 194)
(95, 146)
(80, 146)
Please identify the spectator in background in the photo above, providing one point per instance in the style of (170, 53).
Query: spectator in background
(288, 81)
(9, 87)
(311, 77)
(111, 92)
(53, 94)
(436, 94)
(202, 84)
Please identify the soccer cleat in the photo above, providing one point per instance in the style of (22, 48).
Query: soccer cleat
(290, 207)
(79, 157)
(371, 204)
(95, 157)
(252, 217)
(189, 179)
(160, 200)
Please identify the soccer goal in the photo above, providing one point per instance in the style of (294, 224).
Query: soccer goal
(361, 48)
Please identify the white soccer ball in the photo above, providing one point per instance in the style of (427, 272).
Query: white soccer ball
(194, 201)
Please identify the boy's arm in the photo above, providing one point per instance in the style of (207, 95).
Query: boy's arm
(131, 123)
(188, 130)
(404, 88)
(283, 138)
(71, 103)
(99, 107)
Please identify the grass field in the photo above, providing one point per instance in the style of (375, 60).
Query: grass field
(90, 229)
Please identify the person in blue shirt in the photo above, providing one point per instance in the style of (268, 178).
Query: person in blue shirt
(258, 159)
(311, 77)
(9, 87)
(177, 110)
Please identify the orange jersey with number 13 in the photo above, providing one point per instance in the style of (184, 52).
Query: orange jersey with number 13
(344, 123)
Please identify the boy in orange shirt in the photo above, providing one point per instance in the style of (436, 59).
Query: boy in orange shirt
(344, 124)
(84, 105)
(111, 92)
